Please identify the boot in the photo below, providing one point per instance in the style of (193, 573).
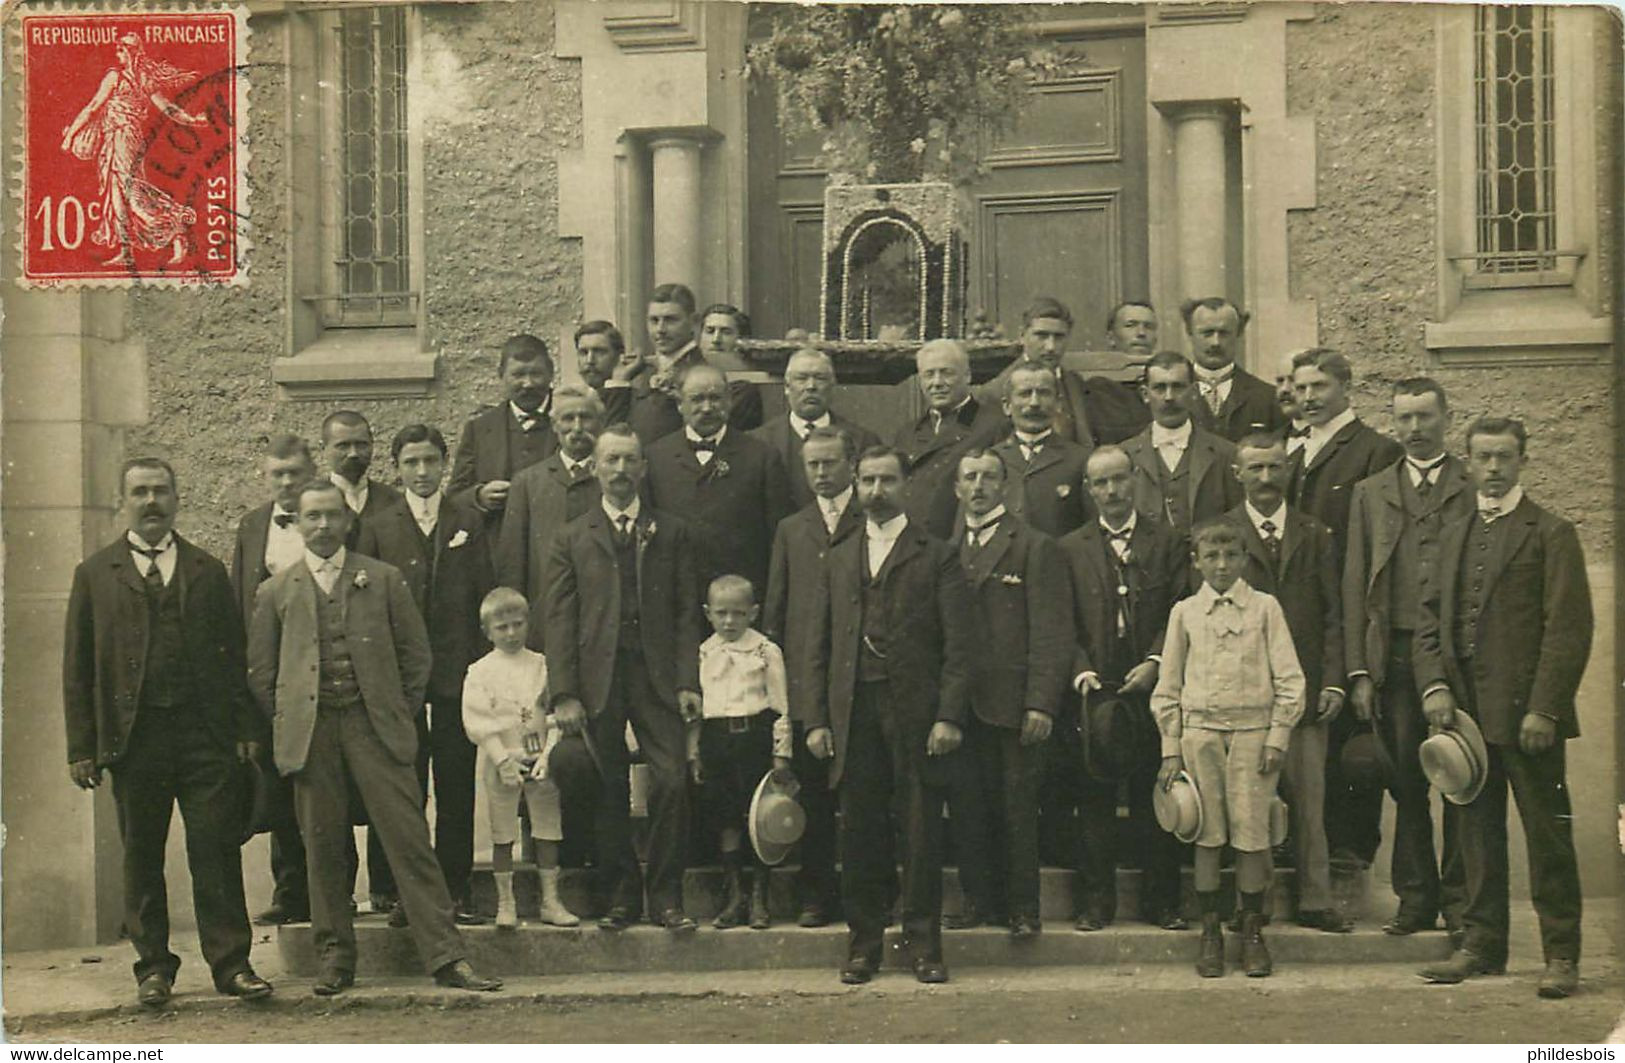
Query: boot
(507, 911)
(760, 916)
(1255, 955)
(734, 905)
(1210, 951)
(554, 913)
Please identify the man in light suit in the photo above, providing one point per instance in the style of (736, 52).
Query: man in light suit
(1505, 639)
(809, 382)
(152, 690)
(795, 587)
(732, 489)
(623, 638)
(1229, 401)
(1183, 473)
(1046, 489)
(1289, 554)
(546, 497)
(339, 658)
(439, 547)
(955, 420)
(499, 442)
(268, 541)
(1395, 523)
(1338, 453)
(1022, 617)
(890, 693)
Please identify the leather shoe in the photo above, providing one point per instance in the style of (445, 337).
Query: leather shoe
(466, 916)
(813, 915)
(333, 982)
(1462, 965)
(281, 915)
(857, 970)
(383, 902)
(1089, 921)
(246, 985)
(931, 972)
(153, 991)
(678, 922)
(617, 918)
(1025, 928)
(1329, 920)
(1172, 919)
(1404, 924)
(1561, 979)
(459, 975)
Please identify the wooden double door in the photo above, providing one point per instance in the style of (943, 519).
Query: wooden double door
(1061, 210)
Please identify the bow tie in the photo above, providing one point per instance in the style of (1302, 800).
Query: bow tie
(151, 553)
(703, 446)
(1122, 535)
(1224, 599)
(282, 519)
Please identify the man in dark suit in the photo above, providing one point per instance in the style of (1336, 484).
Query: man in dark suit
(642, 391)
(339, 658)
(1089, 410)
(499, 442)
(732, 489)
(1338, 453)
(438, 545)
(599, 349)
(890, 693)
(1022, 621)
(1289, 555)
(1046, 488)
(347, 446)
(790, 615)
(268, 542)
(1395, 524)
(1127, 570)
(623, 644)
(1230, 401)
(954, 421)
(1131, 327)
(809, 382)
(1505, 639)
(152, 689)
(546, 497)
(1183, 473)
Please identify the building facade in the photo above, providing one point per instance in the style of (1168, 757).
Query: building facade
(1429, 189)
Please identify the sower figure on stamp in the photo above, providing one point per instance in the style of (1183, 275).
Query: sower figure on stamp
(1504, 640)
(1127, 569)
(1337, 454)
(1182, 471)
(795, 589)
(1022, 624)
(268, 541)
(809, 382)
(439, 546)
(1046, 469)
(623, 645)
(1289, 554)
(1395, 527)
(889, 695)
(152, 688)
(1230, 402)
(339, 658)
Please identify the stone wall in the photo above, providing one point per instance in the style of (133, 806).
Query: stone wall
(1365, 254)
(498, 109)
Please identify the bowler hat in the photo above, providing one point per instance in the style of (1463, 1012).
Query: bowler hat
(1179, 808)
(255, 811)
(1116, 731)
(1366, 762)
(1456, 760)
(1279, 820)
(776, 820)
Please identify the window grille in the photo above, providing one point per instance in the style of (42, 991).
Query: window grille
(1516, 212)
(373, 262)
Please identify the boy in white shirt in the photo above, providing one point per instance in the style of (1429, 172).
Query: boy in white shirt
(744, 731)
(504, 695)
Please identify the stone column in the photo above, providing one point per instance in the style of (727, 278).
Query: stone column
(1201, 197)
(678, 208)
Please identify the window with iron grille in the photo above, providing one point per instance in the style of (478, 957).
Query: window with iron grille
(369, 234)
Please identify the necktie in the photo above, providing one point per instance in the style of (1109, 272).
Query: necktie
(1272, 540)
(1120, 540)
(153, 580)
(579, 470)
(623, 529)
(936, 422)
(282, 519)
(1298, 433)
(1210, 392)
(529, 424)
(1424, 485)
(1489, 516)
(1223, 599)
(982, 534)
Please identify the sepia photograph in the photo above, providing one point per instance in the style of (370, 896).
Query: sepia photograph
(650, 521)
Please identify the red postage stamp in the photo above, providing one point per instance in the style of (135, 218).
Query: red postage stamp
(133, 159)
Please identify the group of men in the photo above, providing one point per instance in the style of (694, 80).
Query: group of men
(971, 618)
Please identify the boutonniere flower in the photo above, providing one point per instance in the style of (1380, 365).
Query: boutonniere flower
(1011, 579)
(1063, 490)
(663, 380)
(644, 533)
(716, 469)
(458, 540)
(360, 582)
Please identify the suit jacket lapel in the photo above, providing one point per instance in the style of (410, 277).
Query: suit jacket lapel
(1255, 545)
(1452, 481)
(850, 520)
(258, 539)
(1452, 540)
(1322, 456)
(1201, 460)
(1299, 526)
(125, 563)
(1522, 521)
(1049, 454)
(906, 546)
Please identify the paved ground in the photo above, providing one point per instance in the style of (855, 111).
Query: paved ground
(54, 997)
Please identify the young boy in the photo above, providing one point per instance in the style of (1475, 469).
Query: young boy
(1229, 693)
(744, 730)
(503, 698)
